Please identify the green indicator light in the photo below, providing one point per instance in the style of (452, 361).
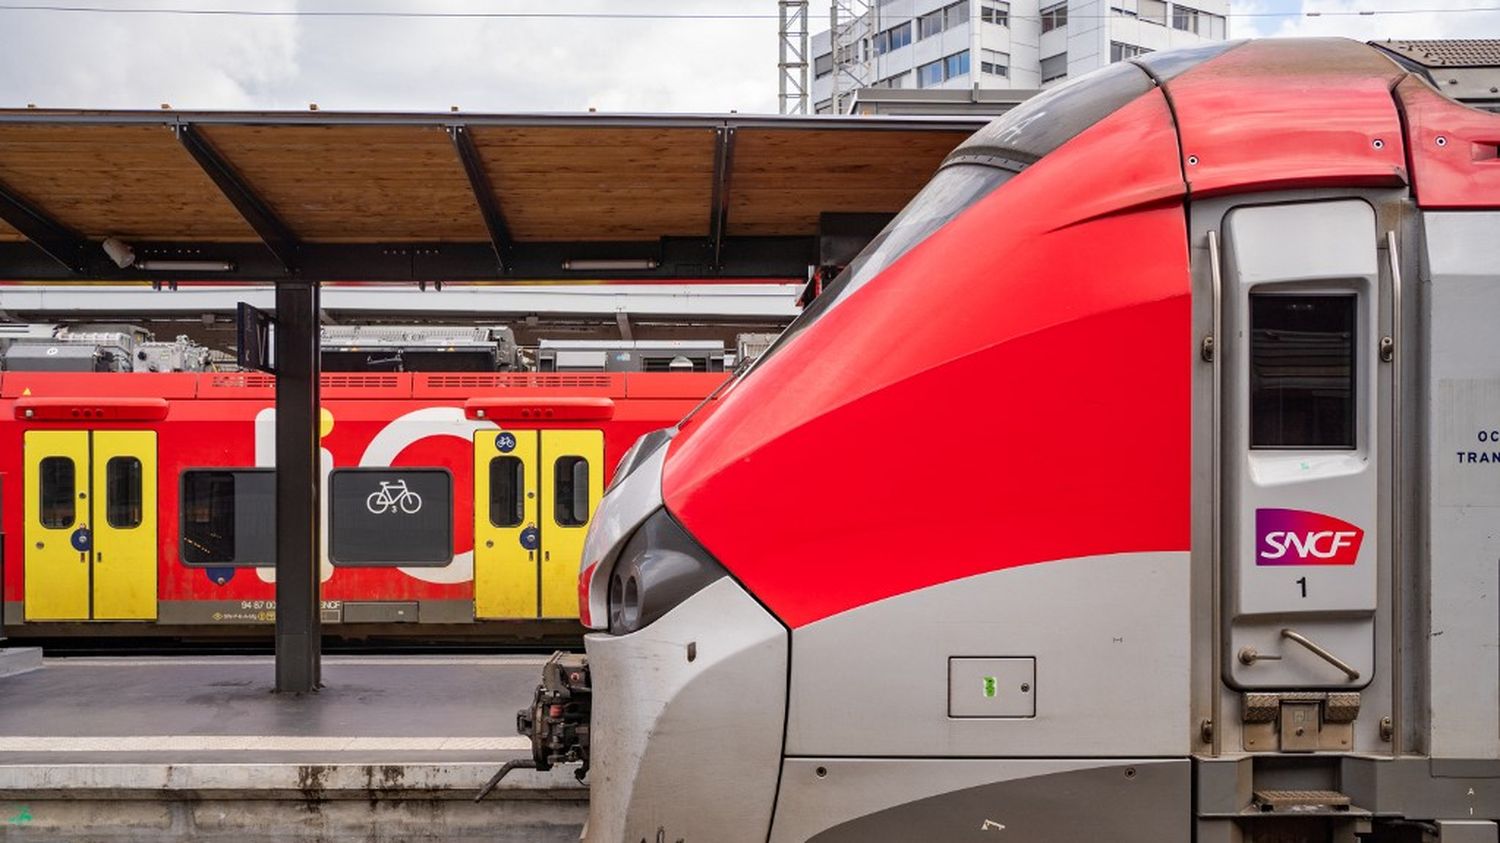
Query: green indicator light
(989, 687)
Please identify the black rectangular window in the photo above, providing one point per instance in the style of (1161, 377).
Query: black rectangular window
(1302, 371)
(507, 501)
(1055, 17)
(571, 485)
(122, 493)
(59, 488)
(390, 516)
(229, 517)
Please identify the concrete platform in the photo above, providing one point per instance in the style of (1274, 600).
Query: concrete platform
(394, 748)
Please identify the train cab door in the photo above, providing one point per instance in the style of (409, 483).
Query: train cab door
(1303, 472)
(507, 538)
(91, 518)
(572, 483)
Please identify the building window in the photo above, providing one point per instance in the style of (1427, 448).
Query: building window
(823, 65)
(930, 74)
(1214, 24)
(893, 39)
(229, 517)
(956, 14)
(122, 492)
(1153, 11)
(1054, 67)
(1120, 51)
(1054, 17)
(824, 107)
(957, 65)
(1302, 371)
(994, 63)
(1184, 18)
(1123, 12)
(897, 81)
(570, 506)
(507, 500)
(58, 481)
(938, 72)
(1192, 20)
(930, 24)
(998, 14)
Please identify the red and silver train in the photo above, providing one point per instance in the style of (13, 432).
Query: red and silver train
(1176, 517)
(143, 504)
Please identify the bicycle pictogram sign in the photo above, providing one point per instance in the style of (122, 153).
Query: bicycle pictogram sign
(393, 497)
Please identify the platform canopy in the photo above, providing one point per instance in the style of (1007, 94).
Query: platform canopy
(454, 196)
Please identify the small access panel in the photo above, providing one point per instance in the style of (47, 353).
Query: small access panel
(534, 495)
(90, 509)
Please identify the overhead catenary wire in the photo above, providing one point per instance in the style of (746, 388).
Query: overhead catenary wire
(624, 16)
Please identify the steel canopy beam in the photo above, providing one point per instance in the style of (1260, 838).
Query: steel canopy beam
(271, 230)
(723, 170)
(55, 239)
(675, 258)
(484, 194)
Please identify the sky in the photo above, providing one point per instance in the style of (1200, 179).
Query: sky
(98, 60)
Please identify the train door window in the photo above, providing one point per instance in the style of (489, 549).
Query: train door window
(1302, 371)
(122, 493)
(571, 480)
(229, 517)
(59, 492)
(507, 501)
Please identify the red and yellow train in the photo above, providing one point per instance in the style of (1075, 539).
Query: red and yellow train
(451, 500)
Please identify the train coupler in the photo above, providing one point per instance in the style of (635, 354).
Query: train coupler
(556, 722)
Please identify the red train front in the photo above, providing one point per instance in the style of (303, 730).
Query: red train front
(450, 498)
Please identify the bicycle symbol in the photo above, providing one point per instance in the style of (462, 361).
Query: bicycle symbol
(393, 496)
(506, 442)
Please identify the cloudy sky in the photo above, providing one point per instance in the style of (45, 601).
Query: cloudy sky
(116, 60)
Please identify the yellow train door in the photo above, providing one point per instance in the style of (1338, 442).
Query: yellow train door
(506, 534)
(124, 477)
(572, 483)
(56, 490)
(91, 512)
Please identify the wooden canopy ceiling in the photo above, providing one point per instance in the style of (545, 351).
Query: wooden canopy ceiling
(449, 195)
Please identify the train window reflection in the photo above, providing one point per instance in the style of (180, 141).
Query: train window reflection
(58, 487)
(1302, 371)
(122, 492)
(571, 484)
(229, 517)
(507, 503)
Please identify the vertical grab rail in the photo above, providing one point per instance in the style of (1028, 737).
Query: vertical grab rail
(1216, 460)
(1398, 626)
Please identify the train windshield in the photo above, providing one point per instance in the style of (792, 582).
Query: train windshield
(993, 156)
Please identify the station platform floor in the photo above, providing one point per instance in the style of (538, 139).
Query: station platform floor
(172, 736)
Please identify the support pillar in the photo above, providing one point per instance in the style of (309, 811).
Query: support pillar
(298, 478)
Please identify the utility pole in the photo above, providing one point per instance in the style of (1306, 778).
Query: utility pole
(793, 64)
(851, 27)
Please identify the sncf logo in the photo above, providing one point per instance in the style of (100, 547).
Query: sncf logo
(1299, 537)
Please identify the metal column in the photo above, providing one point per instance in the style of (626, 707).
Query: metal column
(298, 477)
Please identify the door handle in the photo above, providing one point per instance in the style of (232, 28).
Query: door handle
(1249, 655)
(547, 556)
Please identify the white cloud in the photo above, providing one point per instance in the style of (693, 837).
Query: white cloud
(515, 64)
(1339, 17)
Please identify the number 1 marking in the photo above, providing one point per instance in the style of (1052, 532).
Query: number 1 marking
(1303, 582)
